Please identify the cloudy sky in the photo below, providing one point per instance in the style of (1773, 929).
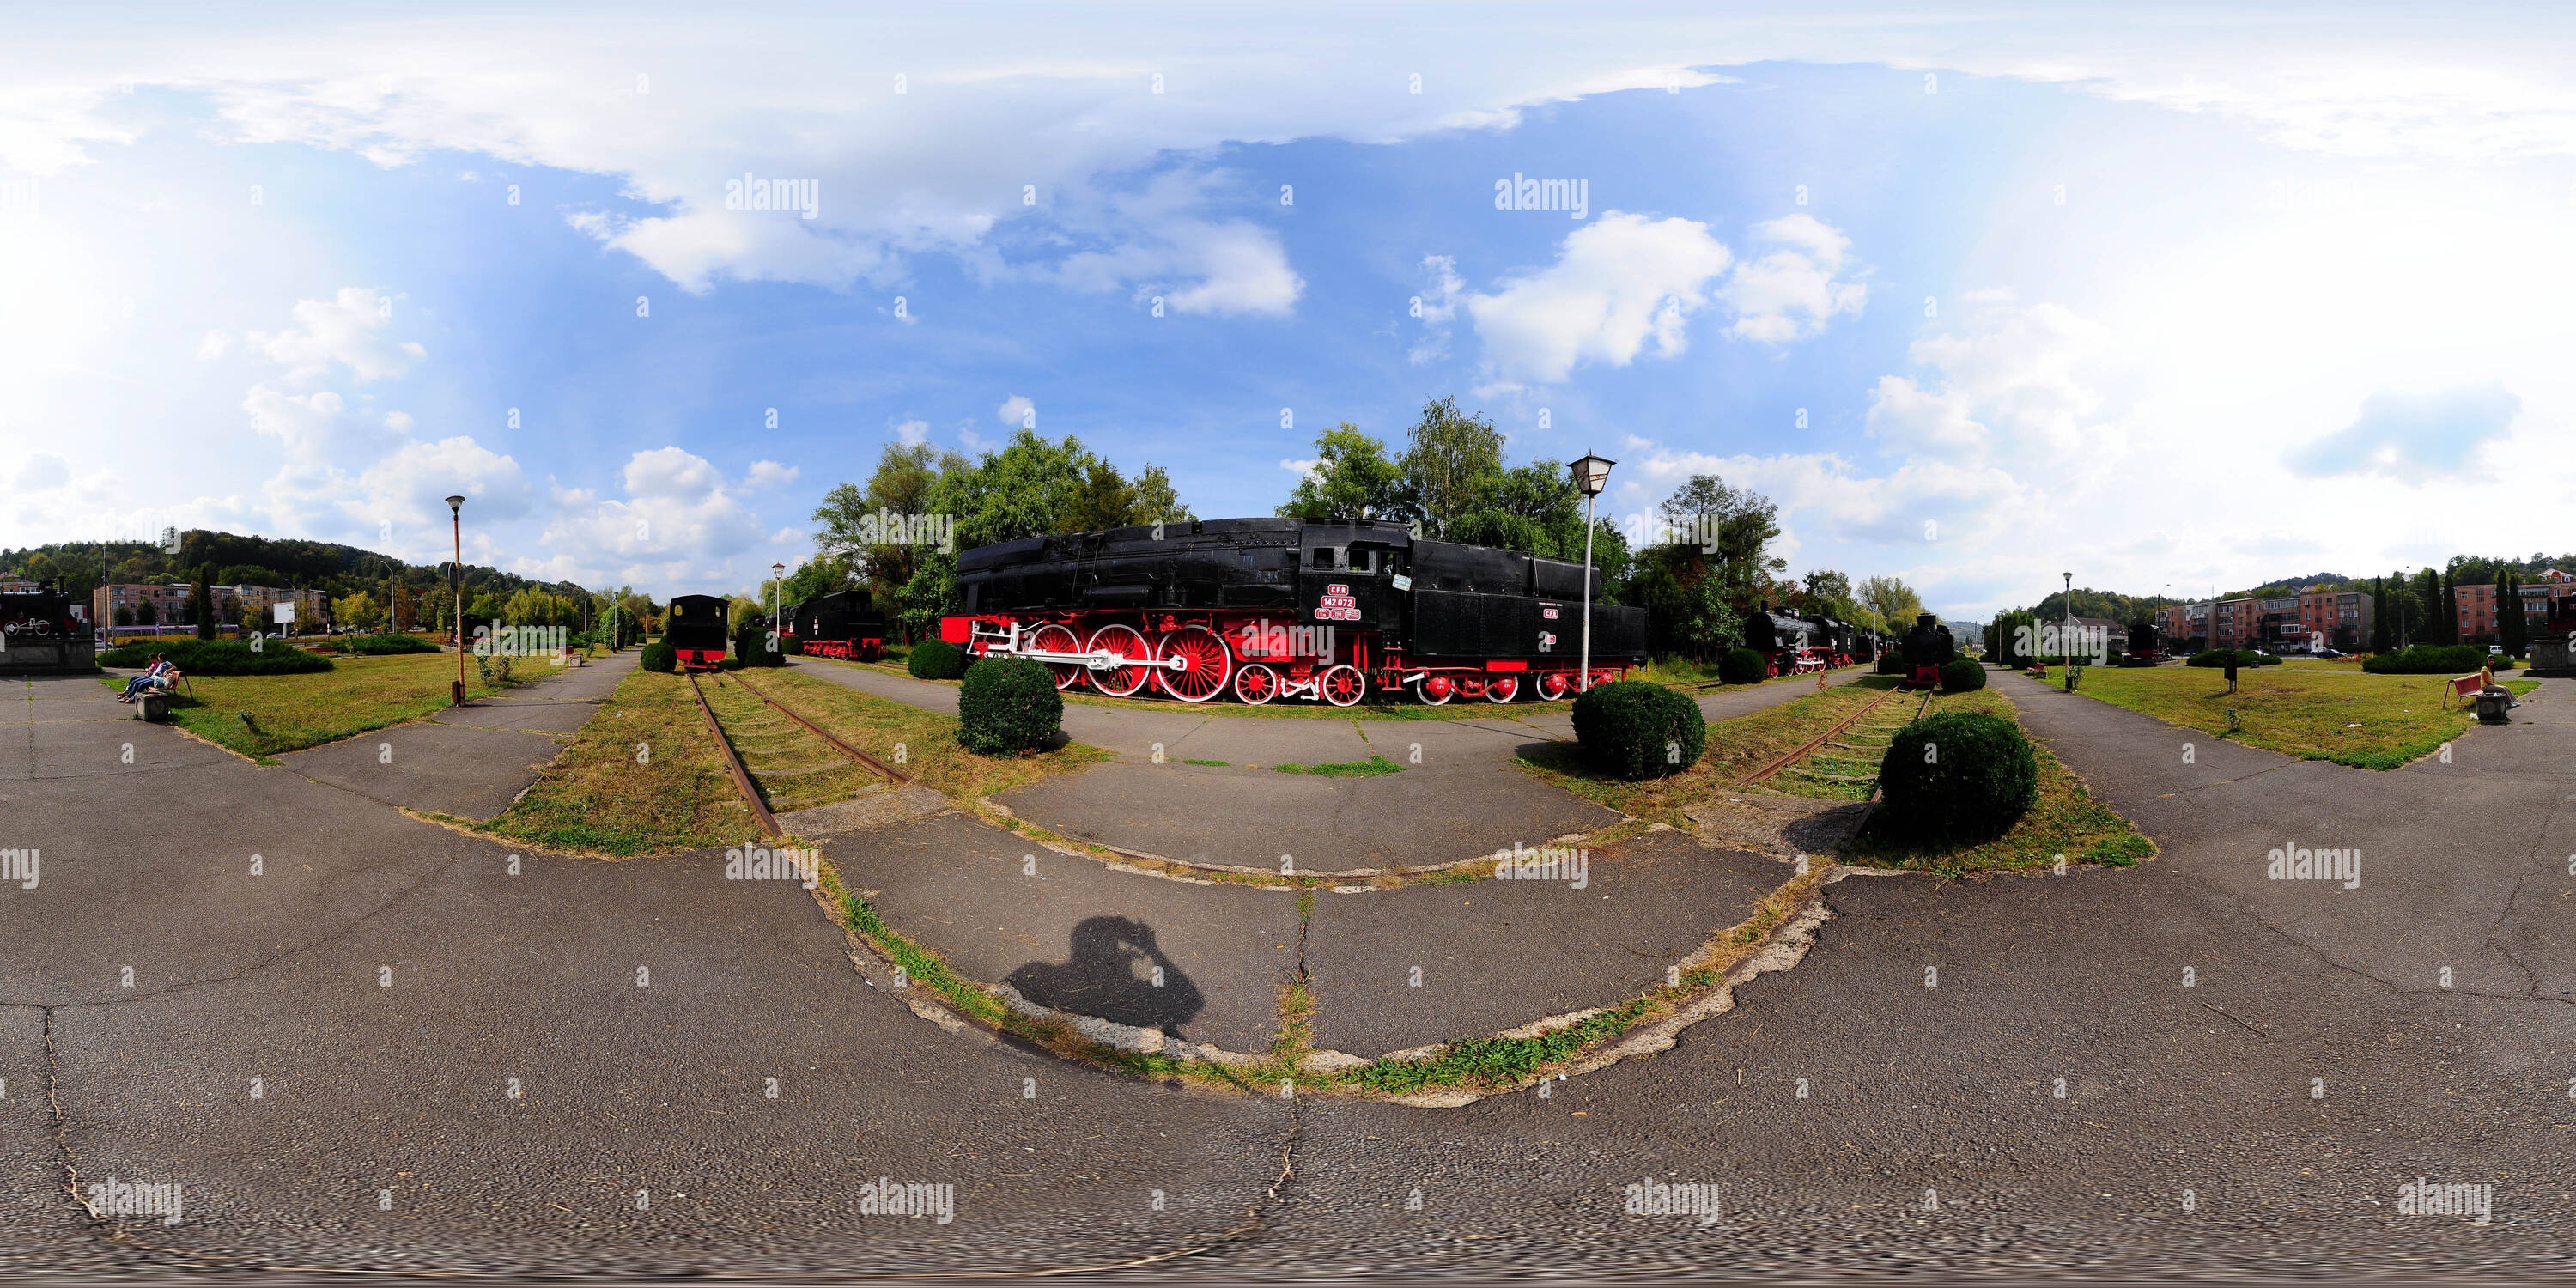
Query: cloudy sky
(2176, 302)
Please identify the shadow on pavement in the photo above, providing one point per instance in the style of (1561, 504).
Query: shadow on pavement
(1113, 975)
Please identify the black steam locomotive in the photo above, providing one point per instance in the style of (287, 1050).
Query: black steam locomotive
(1803, 642)
(695, 626)
(2146, 644)
(1927, 648)
(842, 624)
(1330, 609)
(44, 631)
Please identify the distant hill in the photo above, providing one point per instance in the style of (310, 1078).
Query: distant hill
(233, 559)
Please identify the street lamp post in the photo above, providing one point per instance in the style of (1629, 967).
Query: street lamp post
(775, 607)
(456, 594)
(2066, 633)
(1591, 474)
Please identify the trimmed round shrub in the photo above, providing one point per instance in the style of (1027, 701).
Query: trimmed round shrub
(1633, 729)
(660, 656)
(1960, 775)
(1962, 675)
(381, 645)
(218, 657)
(936, 659)
(1891, 660)
(790, 646)
(751, 645)
(1007, 706)
(1743, 666)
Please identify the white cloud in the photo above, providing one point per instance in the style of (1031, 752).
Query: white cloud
(680, 523)
(672, 473)
(43, 472)
(912, 433)
(215, 345)
(348, 329)
(1790, 292)
(1014, 411)
(1439, 305)
(2011, 380)
(1619, 286)
(408, 486)
(769, 474)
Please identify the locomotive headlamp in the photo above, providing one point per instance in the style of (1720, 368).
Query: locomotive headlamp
(1591, 473)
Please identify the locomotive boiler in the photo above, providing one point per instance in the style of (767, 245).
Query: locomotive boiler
(1268, 608)
(1927, 648)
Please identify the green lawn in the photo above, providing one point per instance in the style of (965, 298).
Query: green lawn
(1735, 748)
(2316, 711)
(291, 712)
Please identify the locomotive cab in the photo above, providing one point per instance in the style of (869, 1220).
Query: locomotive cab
(695, 629)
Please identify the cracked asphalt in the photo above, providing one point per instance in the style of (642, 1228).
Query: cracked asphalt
(2250, 1069)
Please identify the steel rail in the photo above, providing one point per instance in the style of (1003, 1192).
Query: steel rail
(836, 744)
(733, 763)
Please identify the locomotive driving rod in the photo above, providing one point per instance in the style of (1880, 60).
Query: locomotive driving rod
(1098, 659)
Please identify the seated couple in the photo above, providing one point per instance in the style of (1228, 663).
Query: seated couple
(161, 677)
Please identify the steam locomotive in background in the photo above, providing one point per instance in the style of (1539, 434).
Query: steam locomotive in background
(694, 626)
(1325, 609)
(842, 624)
(44, 631)
(1796, 644)
(1927, 648)
(2146, 643)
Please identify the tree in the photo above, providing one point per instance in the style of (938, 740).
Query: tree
(359, 610)
(2513, 630)
(1016, 492)
(2381, 632)
(1738, 522)
(1452, 458)
(1893, 600)
(1105, 500)
(1825, 583)
(201, 606)
(853, 520)
(1156, 499)
(1351, 479)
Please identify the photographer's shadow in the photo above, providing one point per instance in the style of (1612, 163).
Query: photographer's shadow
(1112, 976)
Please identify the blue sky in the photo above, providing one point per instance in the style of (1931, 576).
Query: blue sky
(2178, 304)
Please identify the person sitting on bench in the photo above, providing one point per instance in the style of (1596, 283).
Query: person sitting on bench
(160, 675)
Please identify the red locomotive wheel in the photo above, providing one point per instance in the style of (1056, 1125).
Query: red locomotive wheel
(1501, 688)
(1433, 690)
(1554, 685)
(1256, 684)
(1123, 640)
(1343, 685)
(1208, 664)
(1054, 637)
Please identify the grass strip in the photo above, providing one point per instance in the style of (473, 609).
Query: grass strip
(2065, 823)
(1735, 748)
(2321, 712)
(1368, 768)
(264, 716)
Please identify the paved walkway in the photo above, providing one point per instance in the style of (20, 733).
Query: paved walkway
(470, 761)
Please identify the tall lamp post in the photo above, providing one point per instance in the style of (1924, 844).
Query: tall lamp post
(1591, 474)
(456, 594)
(2066, 633)
(775, 607)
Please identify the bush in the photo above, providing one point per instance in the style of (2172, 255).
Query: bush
(1008, 705)
(2245, 657)
(790, 646)
(1743, 666)
(1632, 729)
(1891, 660)
(1960, 775)
(936, 659)
(751, 644)
(1962, 675)
(218, 657)
(660, 656)
(381, 645)
(2427, 659)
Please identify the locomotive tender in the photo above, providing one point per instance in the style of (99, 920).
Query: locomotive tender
(842, 624)
(1330, 609)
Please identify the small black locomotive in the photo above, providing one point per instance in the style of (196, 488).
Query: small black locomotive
(842, 624)
(694, 625)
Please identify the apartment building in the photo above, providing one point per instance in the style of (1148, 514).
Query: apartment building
(2480, 622)
(310, 605)
(2337, 619)
(139, 604)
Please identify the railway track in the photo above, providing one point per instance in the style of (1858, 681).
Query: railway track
(778, 759)
(1842, 762)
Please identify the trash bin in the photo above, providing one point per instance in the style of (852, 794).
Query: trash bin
(2493, 703)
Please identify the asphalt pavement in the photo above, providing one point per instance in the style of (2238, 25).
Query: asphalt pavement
(2250, 1069)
